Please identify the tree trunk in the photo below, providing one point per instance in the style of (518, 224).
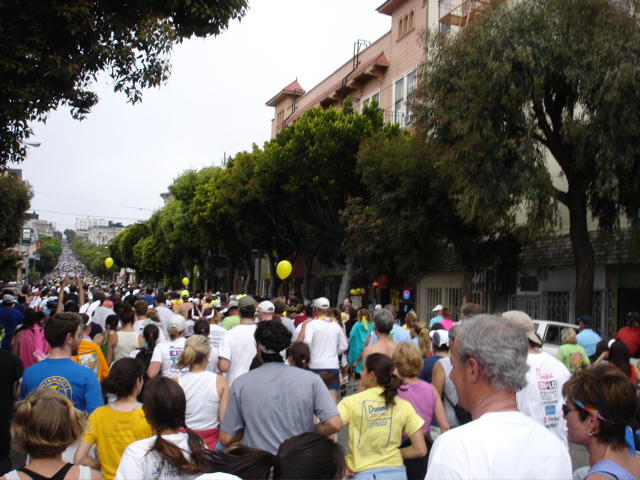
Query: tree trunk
(249, 279)
(306, 276)
(231, 268)
(582, 251)
(466, 287)
(275, 282)
(346, 279)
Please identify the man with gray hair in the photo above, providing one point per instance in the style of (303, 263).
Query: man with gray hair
(489, 359)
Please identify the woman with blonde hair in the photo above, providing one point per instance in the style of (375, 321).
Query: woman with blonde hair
(206, 392)
(420, 336)
(408, 360)
(45, 424)
(570, 353)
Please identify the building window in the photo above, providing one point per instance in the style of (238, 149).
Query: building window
(375, 96)
(404, 87)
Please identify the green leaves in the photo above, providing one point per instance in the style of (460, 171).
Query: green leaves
(52, 51)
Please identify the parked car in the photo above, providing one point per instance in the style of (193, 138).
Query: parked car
(551, 334)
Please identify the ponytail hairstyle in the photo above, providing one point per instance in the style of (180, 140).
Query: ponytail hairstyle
(46, 423)
(305, 456)
(382, 367)
(128, 315)
(300, 354)
(364, 316)
(165, 408)
(196, 349)
(150, 335)
(424, 339)
(123, 376)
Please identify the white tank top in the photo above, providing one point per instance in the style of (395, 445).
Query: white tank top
(127, 343)
(203, 400)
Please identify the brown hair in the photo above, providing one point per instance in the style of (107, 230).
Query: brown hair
(152, 314)
(609, 391)
(46, 423)
(196, 349)
(165, 408)
(408, 359)
(300, 354)
(141, 307)
(382, 367)
(409, 318)
(59, 326)
(421, 331)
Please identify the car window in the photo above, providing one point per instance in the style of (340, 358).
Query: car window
(553, 335)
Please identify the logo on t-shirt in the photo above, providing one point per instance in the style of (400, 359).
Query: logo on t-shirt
(59, 384)
(89, 360)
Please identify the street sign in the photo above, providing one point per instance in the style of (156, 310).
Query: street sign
(26, 237)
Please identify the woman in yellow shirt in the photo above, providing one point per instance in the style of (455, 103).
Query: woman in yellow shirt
(377, 418)
(113, 427)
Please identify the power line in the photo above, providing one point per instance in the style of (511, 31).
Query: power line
(95, 201)
(85, 215)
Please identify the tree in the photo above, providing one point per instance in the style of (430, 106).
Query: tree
(52, 52)
(311, 168)
(14, 203)
(528, 86)
(70, 234)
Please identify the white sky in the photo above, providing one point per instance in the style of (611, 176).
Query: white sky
(115, 164)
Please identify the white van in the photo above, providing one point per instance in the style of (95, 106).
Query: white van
(551, 334)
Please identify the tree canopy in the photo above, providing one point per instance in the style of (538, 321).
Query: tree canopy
(532, 95)
(52, 52)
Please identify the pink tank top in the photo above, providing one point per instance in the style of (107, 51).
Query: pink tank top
(421, 396)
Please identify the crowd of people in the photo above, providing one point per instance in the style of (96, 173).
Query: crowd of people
(129, 382)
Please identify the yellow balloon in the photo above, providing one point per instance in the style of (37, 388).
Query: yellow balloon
(284, 269)
(353, 291)
(108, 262)
(185, 281)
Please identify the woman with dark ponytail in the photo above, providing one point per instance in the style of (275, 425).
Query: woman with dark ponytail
(114, 426)
(377, 419)
(169, 453)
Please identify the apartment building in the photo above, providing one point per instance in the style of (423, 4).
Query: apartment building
(386, 70)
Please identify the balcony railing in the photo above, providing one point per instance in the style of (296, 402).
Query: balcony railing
(461, 12)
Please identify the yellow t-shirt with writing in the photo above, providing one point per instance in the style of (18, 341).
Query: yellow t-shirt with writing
(375, 430)
(112, 431)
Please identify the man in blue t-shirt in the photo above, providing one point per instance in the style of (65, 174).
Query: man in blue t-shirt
(587, 338)
(58, 371)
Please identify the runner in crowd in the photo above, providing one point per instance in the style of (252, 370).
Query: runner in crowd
(113, 427)
(377, 418)
(165, 354)
(45, 425)
(489, 360)
(170, 453)
(600, 411)
(206, 392)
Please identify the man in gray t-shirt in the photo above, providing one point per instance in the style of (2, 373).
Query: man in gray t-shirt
(276, 401)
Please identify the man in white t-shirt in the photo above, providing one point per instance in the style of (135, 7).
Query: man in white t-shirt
(541, 399)
(164, 312)
(326, 341)
(489, 359)
(238, 347)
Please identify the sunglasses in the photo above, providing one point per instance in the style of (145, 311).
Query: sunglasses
(566, 409)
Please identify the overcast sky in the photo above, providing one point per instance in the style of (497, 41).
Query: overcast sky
(115, 164)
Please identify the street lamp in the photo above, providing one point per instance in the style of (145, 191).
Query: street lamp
(32, 144)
